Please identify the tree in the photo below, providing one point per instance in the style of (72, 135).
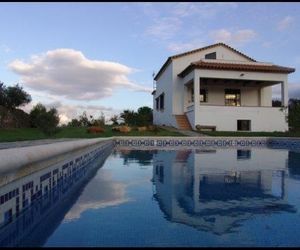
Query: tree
(144, 116)
(129, 117)
(276, 103)
(13, 96)
(74, 123)
(115, 119)
(294, 114)
(84, 120)
(47, 121)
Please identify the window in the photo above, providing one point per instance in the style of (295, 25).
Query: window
(232, 97)
(243, 154)
(160, 102)
(243, 125)
(203, 95)
(212, 55)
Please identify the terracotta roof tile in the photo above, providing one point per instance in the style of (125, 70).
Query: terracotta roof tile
(271, 68)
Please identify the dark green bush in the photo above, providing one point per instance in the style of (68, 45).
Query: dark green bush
(46, 121)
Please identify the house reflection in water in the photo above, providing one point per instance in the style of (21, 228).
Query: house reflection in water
(214, 191)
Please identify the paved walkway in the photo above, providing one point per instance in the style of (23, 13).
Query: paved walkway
(185, 132)
(17, 144)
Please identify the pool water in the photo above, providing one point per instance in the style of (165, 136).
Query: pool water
(191, 197)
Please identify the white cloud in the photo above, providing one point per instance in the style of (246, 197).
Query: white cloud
(285, 23)
(238, 37)
(68, 73)
(101, 192)
(203, 10)
(164, 28)
(5, 48)
(182, 47)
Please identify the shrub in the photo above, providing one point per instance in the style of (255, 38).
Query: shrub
(95, 130)
(141, 129)
(124, 129)
(46, 121)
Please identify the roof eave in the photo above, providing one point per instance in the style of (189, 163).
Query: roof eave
(191, 67)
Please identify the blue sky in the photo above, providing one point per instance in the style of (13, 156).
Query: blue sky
(112, 49)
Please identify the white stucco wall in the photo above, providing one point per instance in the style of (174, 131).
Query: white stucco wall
(164, 85)
(225, 118)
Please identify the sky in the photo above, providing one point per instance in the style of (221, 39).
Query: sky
(100, 57)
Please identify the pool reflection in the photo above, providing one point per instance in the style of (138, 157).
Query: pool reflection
(214, 191)
(48, 205)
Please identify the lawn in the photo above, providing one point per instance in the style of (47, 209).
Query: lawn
(21, 134)
(264, 134)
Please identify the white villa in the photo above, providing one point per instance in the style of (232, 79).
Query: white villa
(219, 88)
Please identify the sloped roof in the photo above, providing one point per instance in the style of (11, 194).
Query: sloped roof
(195, 51)
(257, 67)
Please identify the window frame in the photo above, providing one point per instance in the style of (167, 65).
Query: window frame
(237, 99)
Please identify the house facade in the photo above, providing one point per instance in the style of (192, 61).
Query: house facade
(220, 88)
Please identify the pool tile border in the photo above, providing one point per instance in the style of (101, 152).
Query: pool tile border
(161, 142)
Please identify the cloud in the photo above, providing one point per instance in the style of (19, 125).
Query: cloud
(5, 48)
(238, 37)
(164, 28)
(181, 46)
(101, 192)
(285, 23)
(68, 73)
(203, 10)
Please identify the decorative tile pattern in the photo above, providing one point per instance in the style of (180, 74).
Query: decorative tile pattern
(192, 142)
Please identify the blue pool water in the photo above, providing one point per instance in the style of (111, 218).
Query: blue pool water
(192, 197)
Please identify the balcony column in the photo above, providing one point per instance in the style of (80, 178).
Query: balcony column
(196, 97)
(284, 93)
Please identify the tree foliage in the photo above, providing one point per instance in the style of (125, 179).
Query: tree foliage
(294, 114)
(276, 103)
(47, 121)
(143, 117)
(13, 96)
(115, 119)
(85, 121)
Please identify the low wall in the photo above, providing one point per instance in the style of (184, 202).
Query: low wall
(268, 119)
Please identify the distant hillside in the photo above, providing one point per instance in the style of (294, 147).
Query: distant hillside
(15, 118)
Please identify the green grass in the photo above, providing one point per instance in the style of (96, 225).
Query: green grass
(264, 134)
(22, 134)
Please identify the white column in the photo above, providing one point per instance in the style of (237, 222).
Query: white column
(196, 97)
(284, 93)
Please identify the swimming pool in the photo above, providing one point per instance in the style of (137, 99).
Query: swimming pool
(156, 197)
